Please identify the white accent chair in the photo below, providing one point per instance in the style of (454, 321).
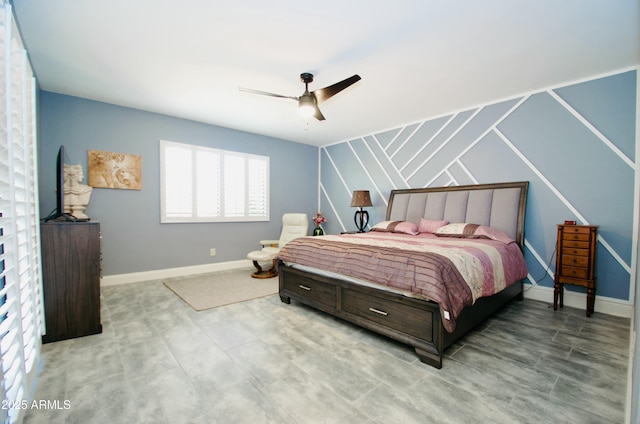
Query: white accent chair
(294, 225)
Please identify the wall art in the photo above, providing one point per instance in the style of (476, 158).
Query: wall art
(115, 170)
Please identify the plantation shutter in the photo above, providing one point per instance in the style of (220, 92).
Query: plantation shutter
(201, 184)
(21, 305)
(258, 200)
(234, 185)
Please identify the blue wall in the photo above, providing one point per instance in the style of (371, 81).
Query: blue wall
(574, 144)
(133, 240)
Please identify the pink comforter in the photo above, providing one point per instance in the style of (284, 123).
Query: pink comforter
(452, 272)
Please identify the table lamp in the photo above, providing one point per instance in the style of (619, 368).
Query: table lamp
(361, 199)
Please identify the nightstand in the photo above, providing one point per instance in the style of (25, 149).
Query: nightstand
(353, 232)
(575, 262)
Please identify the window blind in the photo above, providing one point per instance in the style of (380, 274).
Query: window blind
(201, 184)
(21, 304)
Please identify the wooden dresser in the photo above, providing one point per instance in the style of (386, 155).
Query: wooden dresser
(576, 262)
(71, 260)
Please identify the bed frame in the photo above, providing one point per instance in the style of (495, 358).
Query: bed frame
(412, 321)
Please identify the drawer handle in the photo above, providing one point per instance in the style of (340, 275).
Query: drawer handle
(304, 287)
(378, 311)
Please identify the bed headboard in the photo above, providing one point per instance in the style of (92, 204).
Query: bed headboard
(500, 205)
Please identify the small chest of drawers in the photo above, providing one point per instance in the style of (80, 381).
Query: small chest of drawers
(576, 262)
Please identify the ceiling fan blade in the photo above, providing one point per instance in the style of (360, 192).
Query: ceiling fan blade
(323, 94)
(265, 93)
(318, 115)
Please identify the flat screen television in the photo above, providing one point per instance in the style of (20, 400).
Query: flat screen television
(59, 213)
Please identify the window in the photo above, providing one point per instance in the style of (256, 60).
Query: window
(21, 306)
(201, 184)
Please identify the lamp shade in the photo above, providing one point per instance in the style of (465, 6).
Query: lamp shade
(361, 199)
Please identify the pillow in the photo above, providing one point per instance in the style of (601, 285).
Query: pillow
(404, 227)
(430, 226)
(466, 230)
(494, 234)
(461, 229)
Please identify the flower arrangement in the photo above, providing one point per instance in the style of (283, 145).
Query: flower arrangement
(319, 219)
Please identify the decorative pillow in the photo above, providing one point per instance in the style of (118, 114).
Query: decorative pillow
(461, 229)
(494, 234)
(466, 230)
(430, 226)
(404, 227)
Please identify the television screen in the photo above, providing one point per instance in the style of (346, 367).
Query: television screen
(59, 213)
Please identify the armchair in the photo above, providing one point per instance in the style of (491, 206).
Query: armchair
(294, 225)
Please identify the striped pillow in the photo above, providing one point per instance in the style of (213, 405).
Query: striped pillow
(430, 226)
(404, 227)
(462, 230)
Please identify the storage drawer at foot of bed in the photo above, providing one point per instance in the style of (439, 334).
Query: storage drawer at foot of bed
(396, 315)
(314, 290)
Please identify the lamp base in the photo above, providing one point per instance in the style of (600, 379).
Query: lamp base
(361, 219)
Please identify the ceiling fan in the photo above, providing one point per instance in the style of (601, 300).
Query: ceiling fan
(308, 102)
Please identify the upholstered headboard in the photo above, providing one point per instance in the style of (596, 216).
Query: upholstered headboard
(500, 205)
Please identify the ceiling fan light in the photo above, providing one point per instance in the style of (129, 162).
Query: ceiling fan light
(306, 107)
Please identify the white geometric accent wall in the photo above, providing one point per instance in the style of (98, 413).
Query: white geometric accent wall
(574, 144)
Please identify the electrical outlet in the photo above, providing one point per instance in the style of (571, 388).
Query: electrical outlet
(212, 251)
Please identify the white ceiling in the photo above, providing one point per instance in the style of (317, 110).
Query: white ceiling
(417, 58)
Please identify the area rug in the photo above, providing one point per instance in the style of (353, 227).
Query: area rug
(206, 291)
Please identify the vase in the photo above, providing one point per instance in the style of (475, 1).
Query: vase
(318, 231)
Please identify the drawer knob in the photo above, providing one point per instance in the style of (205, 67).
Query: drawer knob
(304, 287)
(378, 311)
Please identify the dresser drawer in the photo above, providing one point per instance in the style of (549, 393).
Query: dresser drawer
(577, 229)
(315, 290)
(576, 244)
(576, 272)
(574, 251)
(395, 315)
(576, 236)
(571, 260)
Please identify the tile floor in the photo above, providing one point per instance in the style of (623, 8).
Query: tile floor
(262, 361)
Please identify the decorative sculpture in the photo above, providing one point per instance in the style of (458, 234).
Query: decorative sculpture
(76, 194)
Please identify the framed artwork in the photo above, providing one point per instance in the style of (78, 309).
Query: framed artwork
(115, 170)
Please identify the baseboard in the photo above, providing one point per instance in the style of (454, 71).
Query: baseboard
(605, 305)
(136, 277)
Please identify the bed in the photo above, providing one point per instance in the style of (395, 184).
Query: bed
(444, 260)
